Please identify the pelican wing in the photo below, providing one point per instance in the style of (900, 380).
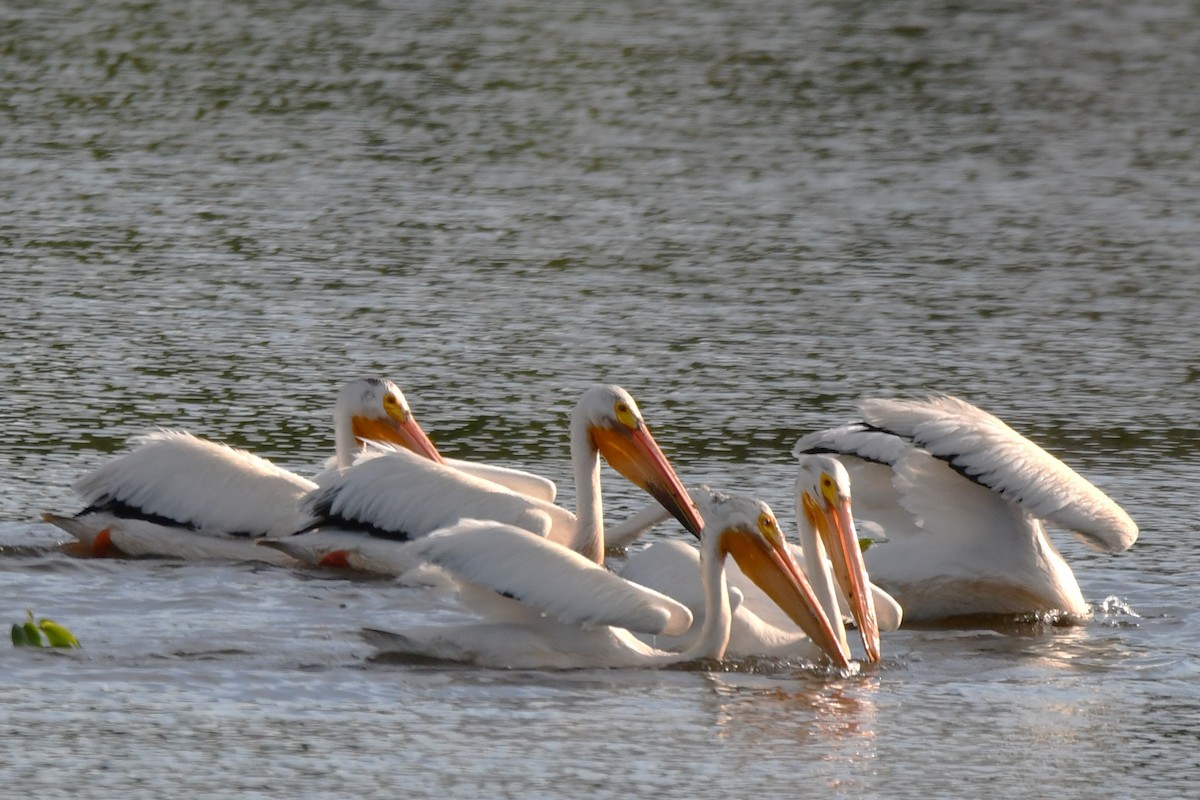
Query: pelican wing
(984, 449)
(855, 439)
(672, 567)
(174, 477)
(402, 495)
(519, 481)
(562, 583)
(958, 513)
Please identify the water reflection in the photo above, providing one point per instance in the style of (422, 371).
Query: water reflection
(821, 732)
(802, 711)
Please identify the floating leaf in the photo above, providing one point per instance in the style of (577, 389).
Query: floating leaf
(29, 633)
(57, 635)
(33, 636)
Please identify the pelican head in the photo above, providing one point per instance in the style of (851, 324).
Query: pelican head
(374, 409)
(617, 431)
(749, 532)
(823, 492)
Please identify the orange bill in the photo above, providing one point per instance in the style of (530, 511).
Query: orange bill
(774, 570)
(401, 430)
(634, 453)
(835, 525)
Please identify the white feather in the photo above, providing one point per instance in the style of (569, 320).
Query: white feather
(573, 589)
(853, 439)
(561, 609)
(404, 496)
(519, 481)
(403, 493)
(995, 455)
(551, 645)
(959, 545)
(202, 484)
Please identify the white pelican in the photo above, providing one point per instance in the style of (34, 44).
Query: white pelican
(178, 495)
(823, 516)
(548, 607)
(396, 496)
(960, 497)
(827, 530)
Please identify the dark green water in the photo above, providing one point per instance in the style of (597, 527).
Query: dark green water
(750, 215)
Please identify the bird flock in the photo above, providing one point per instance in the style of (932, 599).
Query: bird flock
(953, 501)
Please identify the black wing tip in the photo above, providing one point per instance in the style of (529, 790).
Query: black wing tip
(123, 510)
(821, 444)
(319, 503)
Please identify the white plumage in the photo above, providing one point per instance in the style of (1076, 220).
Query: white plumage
(561, 610)
(759, 627)
(562, 583)
(198, 483)
(392, 495)
(518, 480)
(404, 496)
(959, 497)
(173, 485)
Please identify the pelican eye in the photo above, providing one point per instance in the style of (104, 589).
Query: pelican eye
(625, 415)
(394, 408)
(829, 489)
(768, 527)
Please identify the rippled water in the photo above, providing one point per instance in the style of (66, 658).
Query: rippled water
(750, 216)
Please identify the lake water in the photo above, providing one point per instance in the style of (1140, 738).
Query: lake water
(749, 215)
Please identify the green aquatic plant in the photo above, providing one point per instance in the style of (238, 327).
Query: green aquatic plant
(26, 634)
(29, 634)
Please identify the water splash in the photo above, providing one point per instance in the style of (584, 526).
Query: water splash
(1115, 612)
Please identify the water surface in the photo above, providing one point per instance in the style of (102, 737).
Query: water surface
(750, 216)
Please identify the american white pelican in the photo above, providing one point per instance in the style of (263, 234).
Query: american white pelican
(388, 496)
(827, 530)
(960, 497)
(548, 607)
(178, 495)
(823, 517)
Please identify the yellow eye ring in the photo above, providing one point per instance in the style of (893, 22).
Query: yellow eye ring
(829, 489)
(625, 415)
(767, 526)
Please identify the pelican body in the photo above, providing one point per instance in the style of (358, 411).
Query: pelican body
(544, 606)
(960, 498)
(175, 494)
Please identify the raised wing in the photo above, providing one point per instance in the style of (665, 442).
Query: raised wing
(985, 450)
(854, 439)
